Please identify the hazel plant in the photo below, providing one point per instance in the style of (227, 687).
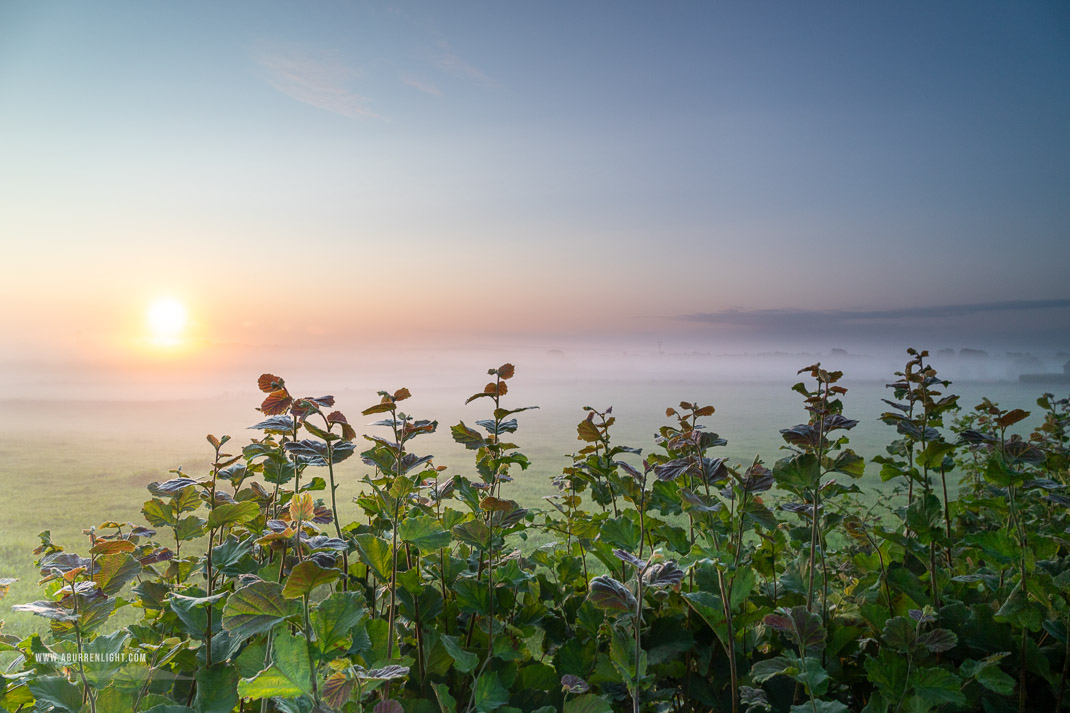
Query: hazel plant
(818, 450)
(667, 585)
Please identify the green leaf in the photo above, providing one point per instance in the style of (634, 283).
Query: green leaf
(587, 431)
(474, 533)
(113, 571)
(621, 532)
(191, 611)
(933, 455)
(305, 577)
(472, 596)
(988, 674)
(899, 633)
(937, 685)
(232, 556)
(226, 514)
(710, 607)
(925, 517)
(464, 661)
(217, 689)
(820, 707)
(57, 691)
(375, 552)
(424, 532)
(489, 693)
(112, 700)
(334, 618)
(997, 546)
(103, 654)
(622, 656)
(813, 675)
(189, 528)
(467, 437)
(1019, 610)
(587, 703)
(798, 472)
(763, 670)
(849, 463)
(159, 514)
(288, 676)
(446, 702)
(539, 677)
(938, 640)
(254, 608)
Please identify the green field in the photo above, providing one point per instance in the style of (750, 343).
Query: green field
(67, 465)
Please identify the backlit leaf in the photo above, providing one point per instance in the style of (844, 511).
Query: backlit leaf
(305, 577)
(113, 571)
(224, 515)
(276, 403)
(334, 618)
(288, 676)
(254, 608)
(269, 382)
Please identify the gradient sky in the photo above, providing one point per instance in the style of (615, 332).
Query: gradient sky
(341, 173)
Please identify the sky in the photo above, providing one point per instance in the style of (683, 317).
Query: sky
(643, 176)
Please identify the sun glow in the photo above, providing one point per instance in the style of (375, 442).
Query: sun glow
(167, 319)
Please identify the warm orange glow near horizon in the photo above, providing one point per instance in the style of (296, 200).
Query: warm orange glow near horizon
(167, 318)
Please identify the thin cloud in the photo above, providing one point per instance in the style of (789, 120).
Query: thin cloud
(317, 77)
(449, 62)
(420, 84)
(779, 319)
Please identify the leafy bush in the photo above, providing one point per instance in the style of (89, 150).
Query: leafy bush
(672, 581)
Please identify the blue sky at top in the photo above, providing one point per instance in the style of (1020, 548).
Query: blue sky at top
(620, 165)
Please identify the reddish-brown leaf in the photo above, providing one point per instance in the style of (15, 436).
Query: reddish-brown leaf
(270, 382)
(112, 547)
(276, 403)
(401, 394)
(506, 371)
(1012, 417)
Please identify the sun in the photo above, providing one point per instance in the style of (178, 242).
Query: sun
(167, 319)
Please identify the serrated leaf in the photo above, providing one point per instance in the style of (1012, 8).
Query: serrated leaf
(254, 608)
(288, 676)
(424, 532)
(587, 703)
(608, 593)
(464, 661)
(113, 571)
(376, 553)
(474, 533)
(334, 618)
(224, 515)
(938, 640)
(57, 691)
(305, 577)
(489, 694)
